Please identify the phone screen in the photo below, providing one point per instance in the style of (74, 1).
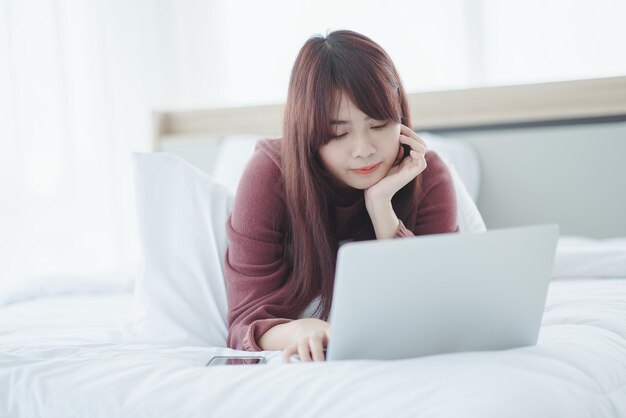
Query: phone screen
(228, 360)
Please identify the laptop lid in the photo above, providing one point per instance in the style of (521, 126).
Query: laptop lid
(434, 294)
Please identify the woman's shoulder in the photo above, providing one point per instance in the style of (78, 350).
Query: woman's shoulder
(258, 213)
(436, 170)
(260, 184)
(437, 183)
(269, 150)
(264, 163)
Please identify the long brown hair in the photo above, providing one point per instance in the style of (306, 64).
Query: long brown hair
(342, 62)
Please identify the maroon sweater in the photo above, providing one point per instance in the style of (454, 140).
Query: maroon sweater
(254, 266)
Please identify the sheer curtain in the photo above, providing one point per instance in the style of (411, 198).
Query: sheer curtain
(78, 80)
(77, 83)
(436, 45)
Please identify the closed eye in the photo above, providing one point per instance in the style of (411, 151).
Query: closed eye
(380, 126)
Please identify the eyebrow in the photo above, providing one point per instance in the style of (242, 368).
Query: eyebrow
(344, 122)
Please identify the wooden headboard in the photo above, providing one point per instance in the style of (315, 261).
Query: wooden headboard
(549, 152)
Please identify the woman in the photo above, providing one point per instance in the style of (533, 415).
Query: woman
(347, 168)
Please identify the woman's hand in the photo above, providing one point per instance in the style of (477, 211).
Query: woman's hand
(309, 339)
(403, 170)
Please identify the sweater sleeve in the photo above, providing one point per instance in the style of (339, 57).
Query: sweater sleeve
(437, 208)
(253, 267)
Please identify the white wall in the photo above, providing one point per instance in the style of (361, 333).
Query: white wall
(250, 46)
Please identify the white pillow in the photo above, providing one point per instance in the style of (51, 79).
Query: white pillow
(180, 297)
(578, 256)
(467, 215)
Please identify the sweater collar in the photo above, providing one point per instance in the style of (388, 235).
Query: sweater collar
(346, 197)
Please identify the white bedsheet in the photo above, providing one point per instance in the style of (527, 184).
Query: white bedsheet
(62, 357)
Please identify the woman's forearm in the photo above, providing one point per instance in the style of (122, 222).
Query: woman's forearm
(383, 218)
(278, 337)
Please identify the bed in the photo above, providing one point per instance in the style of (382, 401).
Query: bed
(62, 353)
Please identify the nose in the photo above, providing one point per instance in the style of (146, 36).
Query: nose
(362, 147)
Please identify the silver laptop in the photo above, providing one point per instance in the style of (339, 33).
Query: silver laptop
(435, 294)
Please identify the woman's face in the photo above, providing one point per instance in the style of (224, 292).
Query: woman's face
(360, 142)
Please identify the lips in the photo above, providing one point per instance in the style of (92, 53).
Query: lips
(367, 170)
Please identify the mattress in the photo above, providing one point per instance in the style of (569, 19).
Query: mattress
(62, 356)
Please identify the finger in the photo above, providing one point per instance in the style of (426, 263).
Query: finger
(419, 160)
(288, 352)
(410, 140)
(407, 131)
(416, 155)
(405, 128)
(417, 146)
(303, 350)
(317, 348)
(411, 134)
(419, 149)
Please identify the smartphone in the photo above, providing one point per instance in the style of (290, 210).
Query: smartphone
(407, 150)
(236, 360)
